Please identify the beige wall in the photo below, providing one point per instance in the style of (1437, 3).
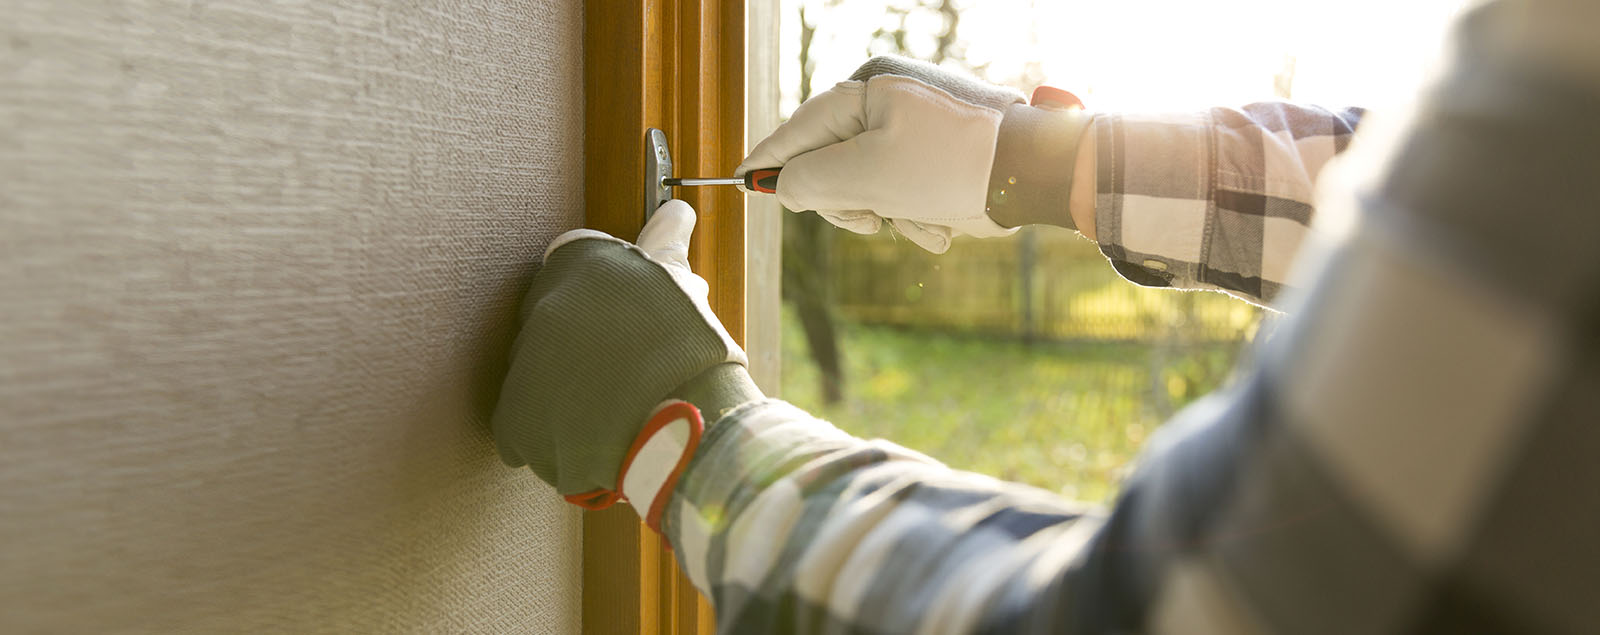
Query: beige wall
(258, 266)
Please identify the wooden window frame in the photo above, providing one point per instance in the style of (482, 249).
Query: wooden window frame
(677, 65)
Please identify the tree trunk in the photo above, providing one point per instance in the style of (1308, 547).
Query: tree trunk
(805, 264)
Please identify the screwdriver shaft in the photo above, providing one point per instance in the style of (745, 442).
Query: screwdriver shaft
(682, 182)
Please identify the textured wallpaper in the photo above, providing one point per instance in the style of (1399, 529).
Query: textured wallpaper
(259, 263)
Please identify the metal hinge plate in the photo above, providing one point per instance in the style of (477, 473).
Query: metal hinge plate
(657, 168)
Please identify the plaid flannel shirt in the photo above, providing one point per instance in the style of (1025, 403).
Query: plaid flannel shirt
(1414, 451)
(1218, 200)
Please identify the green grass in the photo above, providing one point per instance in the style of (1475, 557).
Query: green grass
(1065, 417)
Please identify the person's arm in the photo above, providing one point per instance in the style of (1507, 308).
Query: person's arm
(1220, 199)
(790, 525)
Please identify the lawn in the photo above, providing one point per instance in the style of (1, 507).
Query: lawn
(1067, 417)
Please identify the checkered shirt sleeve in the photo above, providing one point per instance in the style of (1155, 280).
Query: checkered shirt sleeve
(1218, 200)
(1414, 451)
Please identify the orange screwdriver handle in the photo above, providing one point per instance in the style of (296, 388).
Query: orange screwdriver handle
(764, 180)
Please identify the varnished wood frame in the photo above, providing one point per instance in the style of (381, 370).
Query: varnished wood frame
(677, 65)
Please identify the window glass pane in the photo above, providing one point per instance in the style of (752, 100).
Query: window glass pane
(1027, 357)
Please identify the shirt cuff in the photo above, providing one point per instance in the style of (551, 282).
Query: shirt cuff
(1152, 196)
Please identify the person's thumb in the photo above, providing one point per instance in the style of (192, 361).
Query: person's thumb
(665, 238)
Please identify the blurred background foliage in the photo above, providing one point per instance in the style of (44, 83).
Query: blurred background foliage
(1027, 357)
(948, 355)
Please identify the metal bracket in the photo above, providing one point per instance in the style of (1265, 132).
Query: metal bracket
(657, 168)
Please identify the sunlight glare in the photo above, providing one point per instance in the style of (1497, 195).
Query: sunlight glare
(1151, 55)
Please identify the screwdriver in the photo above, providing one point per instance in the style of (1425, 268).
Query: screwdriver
(764, 181)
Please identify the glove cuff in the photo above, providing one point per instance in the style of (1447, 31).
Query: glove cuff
(659, 456)
(664, 447)
(718, 389)
(654, 463)
(1034, 158)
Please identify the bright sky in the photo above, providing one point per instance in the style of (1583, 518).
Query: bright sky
(1158, 54)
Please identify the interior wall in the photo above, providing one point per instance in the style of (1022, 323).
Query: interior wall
(259, 263)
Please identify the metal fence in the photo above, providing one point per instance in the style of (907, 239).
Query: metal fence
(1042, 282)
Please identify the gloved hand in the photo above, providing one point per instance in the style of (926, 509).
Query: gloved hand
(936, 153)
(610, 332)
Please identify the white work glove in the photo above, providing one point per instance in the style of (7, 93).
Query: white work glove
(902, 140)
(896, 147)
(937, 153)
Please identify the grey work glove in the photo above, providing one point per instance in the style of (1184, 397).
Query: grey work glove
(937, 153)
(610, 331)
